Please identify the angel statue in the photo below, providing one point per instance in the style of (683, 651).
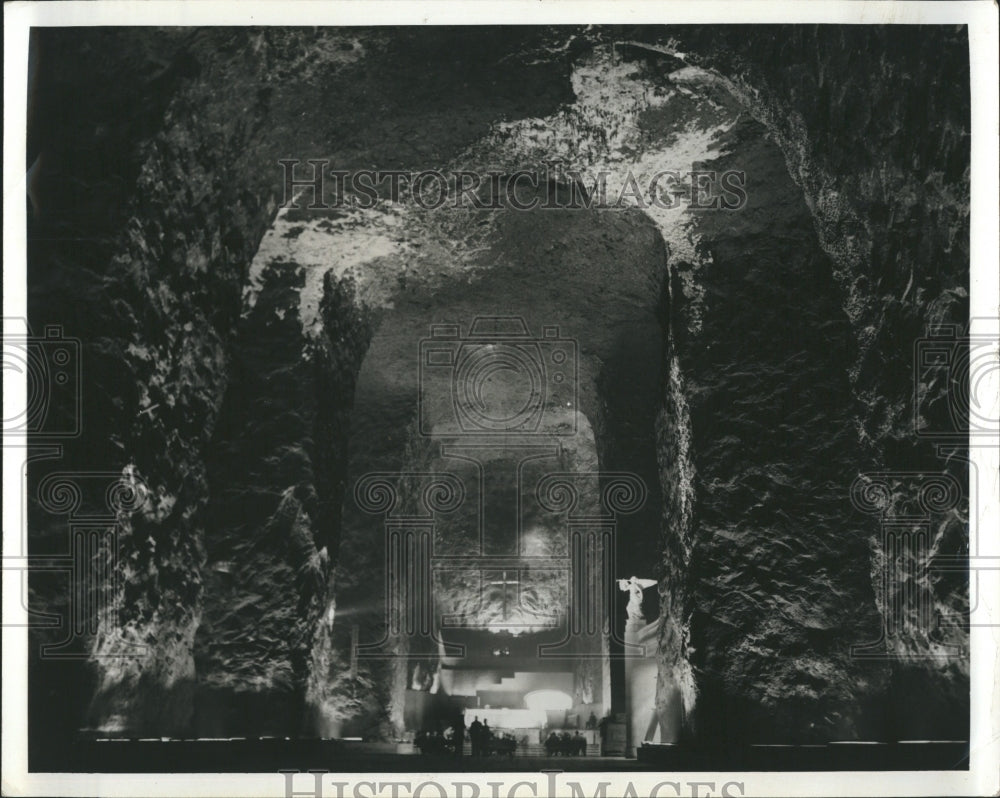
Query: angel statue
(634, 587)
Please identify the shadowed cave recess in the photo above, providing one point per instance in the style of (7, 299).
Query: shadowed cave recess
(251, 363)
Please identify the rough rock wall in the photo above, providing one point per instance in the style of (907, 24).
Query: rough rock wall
(874, 123)
(766, 585)
(140, 237)
(141, 230)
(211, 111)
(267, 658)
(776, 580)
(276, 483)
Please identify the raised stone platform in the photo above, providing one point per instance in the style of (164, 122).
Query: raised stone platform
(916, 755)
(271, 755)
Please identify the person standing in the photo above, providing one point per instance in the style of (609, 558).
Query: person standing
(602, 725)
(476, 736)
(486, 740)
(460, 735)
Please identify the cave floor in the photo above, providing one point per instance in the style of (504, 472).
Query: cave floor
(337, 756)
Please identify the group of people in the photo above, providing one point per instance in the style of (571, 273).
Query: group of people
(432, 742)
(486, 742)
(566, 744)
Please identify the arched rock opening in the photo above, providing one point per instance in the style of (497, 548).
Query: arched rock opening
(782, 345)
(579, 295)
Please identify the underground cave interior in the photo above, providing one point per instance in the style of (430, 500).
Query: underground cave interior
(324, 390)
(543, 375)
(507, 390)
(586, 285)
(601, 280)
(592, 285)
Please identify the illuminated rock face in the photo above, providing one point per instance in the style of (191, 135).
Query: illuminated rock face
(901, 260)
(568, 306)
(748, 364)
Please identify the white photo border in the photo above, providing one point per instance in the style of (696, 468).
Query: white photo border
(983, 776)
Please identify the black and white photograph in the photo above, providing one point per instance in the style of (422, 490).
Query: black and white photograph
(501, 399)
